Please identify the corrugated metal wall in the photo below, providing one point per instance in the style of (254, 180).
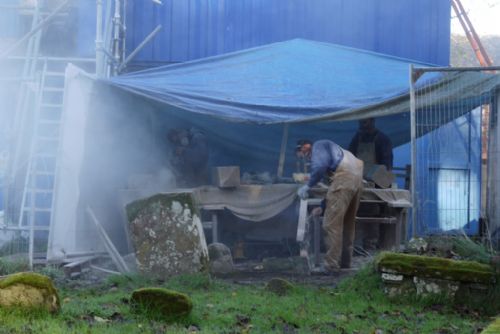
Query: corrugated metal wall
(416, 29)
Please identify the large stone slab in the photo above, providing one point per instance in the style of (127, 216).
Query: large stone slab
(167, 235)
(29, 291)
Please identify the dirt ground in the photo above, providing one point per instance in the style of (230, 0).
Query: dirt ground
(247, 274)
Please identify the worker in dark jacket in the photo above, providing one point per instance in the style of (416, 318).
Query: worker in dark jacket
(371, 145)
(190, 156)
(342, 199)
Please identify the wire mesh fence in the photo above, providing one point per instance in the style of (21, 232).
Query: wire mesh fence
(453, 113)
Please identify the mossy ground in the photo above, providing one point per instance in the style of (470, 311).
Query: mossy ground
(357, 305)
(493, 328)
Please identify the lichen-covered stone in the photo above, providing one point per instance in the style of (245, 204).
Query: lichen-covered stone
(167, 235)
(399, 288)
(435, 267)
(29, 291)
(279, 286)
(440, 245)
(417, 245)
(427, 287)
(159, 301)
(221, 261)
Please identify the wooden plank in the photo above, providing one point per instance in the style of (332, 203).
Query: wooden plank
(107, 271)
(213, 207)
(317, 239)
(108, 244)
(215, 227)
(377, 220)
(284, 141)
(301, 228)
(79, 261)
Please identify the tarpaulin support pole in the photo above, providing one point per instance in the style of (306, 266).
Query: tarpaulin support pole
(99, 49)
(413, 127)
(284, 141)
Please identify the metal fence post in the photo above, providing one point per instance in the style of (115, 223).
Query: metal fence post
(413, 126)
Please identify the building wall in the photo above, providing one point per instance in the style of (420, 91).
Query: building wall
(192, 29)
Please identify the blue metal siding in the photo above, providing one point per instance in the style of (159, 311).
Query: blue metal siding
(416, 29)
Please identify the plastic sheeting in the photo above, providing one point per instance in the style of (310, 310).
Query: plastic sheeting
(249, 202)
(295, 81)
(281, 82)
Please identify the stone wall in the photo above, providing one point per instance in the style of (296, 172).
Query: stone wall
(465, 282)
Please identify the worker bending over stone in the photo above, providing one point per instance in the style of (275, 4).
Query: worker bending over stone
(345, 172)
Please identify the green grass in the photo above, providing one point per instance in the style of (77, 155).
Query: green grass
(357, 305)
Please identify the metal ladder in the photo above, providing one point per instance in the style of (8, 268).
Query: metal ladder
(38, 191)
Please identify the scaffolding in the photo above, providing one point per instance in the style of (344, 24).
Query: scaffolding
(34, 133)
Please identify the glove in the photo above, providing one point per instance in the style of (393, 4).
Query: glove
(302, 192)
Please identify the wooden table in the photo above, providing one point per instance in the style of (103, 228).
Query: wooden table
(392, 222)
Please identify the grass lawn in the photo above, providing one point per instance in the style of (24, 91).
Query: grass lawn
(357, 305)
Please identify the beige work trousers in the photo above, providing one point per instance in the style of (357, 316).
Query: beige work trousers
(342, 202)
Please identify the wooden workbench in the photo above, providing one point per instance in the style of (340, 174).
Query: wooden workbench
(392, 221)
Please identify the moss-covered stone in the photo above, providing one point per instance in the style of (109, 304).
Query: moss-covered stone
(435, 267)
(279, 286)
(493, 328)
(158, 301)
(29, 291)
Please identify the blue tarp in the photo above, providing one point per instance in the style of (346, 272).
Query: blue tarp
(241, 101)
(291, 81)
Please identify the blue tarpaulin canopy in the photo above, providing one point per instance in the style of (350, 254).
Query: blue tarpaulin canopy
(293, 81)
(321, 88)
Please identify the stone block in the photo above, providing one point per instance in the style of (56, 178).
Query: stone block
(226, 176)
(279, 286)
(427, 287)
(417, 245)
(379, 175)
(167, 235)
(399, 289)
(221, 261)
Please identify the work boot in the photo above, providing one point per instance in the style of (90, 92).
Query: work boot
(325, 270)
